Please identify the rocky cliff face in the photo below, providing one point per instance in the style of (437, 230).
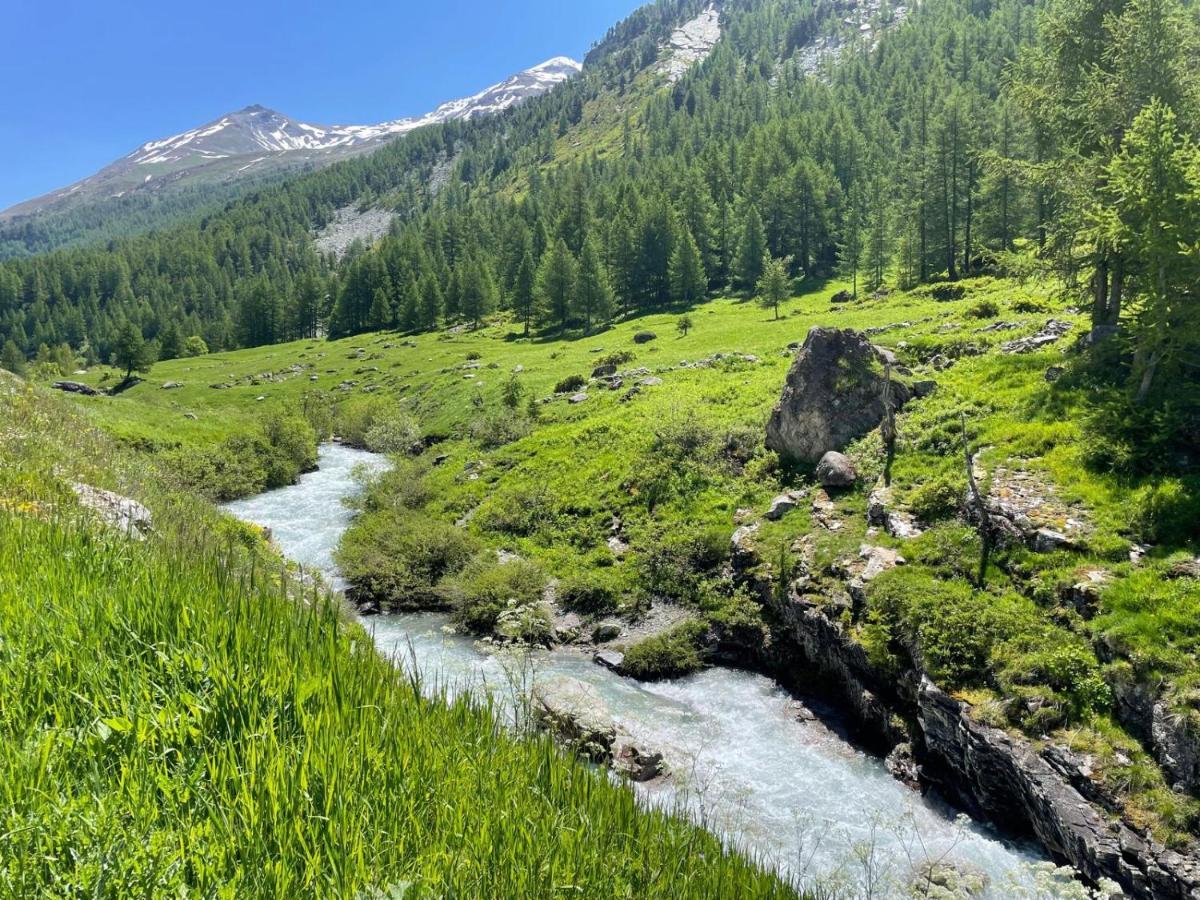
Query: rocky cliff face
(998, 777)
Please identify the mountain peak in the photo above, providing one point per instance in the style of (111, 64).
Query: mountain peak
(256, 139)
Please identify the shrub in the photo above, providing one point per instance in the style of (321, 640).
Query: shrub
(1167, 512)
(1027, 306)
(949, 627)
(523, 510)
(292, 447)
(944, 293)
(487, 587)
(677, 566)
(570, 384)
(938, 497)
(195, 346)
(617, 358)
(589, 594)
(498, 428)
(400, 559)
(984, 309)
(392, 431)
(667, 655)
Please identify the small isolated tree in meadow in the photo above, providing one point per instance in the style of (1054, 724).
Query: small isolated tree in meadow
(195, 346)
(131, 352)
(683, 325)
(774, 286)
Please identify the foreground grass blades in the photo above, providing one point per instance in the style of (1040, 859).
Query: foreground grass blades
(169, 726)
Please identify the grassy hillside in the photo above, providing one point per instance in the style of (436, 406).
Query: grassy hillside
(177, 717)
(670, 469)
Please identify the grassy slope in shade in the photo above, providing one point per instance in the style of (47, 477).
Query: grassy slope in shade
(551, 495)
(173, 724)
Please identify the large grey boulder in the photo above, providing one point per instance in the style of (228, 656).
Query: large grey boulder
(833, 395)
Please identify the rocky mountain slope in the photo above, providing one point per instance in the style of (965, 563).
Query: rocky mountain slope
(256, 141)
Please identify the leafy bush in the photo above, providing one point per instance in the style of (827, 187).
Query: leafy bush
(570, 384)
(667, 655)
(678, 566)
(392, 431)
(938, 497)
(495, 429)
(243, 465)
(1167, 512)
(292, 449)
(949, 627)
(523, 510)
(1028, 306)
(984, 309)
(399, 559)
(487, 587)
(1063, 665)
(590, 594)
(617, 358)
(944, 293)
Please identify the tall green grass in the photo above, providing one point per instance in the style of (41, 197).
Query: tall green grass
(170, 725)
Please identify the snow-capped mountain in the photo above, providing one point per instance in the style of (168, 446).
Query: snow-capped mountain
(256, 141)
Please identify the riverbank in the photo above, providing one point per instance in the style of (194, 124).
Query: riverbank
(183, 715)
(745, 759)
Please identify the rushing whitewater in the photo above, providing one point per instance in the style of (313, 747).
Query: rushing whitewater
(743, 763)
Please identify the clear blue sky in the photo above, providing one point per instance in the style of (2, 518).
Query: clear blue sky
(87, 82)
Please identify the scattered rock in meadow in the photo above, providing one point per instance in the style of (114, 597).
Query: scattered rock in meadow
(75, 387)
(784, 504)
(836, 470)
(605, 632)
(605, 371)
(644, 337)
(1051, 332)
(1054, 373)
(841, 297)
(171, 385)
(924, 387)
(581, 397)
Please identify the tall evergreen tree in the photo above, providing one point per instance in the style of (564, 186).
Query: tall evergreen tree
(689, 284)
(752, 249)
(593, 293)
(556, 285)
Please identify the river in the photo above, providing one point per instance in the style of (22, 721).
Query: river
(788, 790)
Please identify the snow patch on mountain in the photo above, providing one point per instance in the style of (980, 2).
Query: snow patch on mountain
(690, 43)
(256, 140)
(256, 128)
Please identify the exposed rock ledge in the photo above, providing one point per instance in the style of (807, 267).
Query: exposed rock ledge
(996, 776)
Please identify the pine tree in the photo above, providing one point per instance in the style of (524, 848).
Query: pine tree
(688, 281)
(12, 359)
(556, 285)
(593, 293)
(380, 314)
(752, 249)
(774, 286)
(524, 300)
(131, 352)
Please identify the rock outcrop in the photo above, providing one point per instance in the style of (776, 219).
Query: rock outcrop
(576, 714)
(833, 395)
(115, 510)
(997, 776)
